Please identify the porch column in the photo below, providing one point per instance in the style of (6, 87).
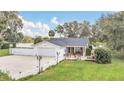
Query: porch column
(84, 51)
(74, 50)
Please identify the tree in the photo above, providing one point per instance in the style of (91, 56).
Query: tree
(37, 39)
(10, 24)
(20, 36)
(71, 29)
(59, 29)
(51, 33)
(96, 35)
(85, 29)
(27, 39)
(113, 28)
(75, 29)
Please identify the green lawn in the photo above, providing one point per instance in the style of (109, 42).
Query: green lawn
(82, 70)
(4, 52)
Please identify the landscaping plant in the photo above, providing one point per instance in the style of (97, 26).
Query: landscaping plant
(102, 56)
(88, 51)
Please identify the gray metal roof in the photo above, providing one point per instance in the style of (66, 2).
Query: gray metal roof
(69, 41)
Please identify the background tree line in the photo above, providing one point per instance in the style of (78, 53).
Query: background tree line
(107, 29)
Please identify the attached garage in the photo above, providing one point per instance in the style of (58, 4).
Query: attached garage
(44, 49)
(22, 51)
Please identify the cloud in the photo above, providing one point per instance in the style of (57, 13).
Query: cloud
(54, 21)
(41, 26)
(27, 32)
(34, 29)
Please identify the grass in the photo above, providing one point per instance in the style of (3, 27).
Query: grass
(4, 77)
(82, 70)
(4, 52)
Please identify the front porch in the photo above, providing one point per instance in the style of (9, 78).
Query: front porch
(74, 52)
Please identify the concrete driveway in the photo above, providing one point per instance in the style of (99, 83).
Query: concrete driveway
(21, 66)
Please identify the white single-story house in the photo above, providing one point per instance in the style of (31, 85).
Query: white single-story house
(60, 48)
(52, 51)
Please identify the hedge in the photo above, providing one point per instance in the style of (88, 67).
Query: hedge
(102, 56)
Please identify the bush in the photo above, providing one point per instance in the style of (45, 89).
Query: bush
(1, 44)
(5, 45)
(102, 56)
(4, 76)
(88, 52)
(91, 47)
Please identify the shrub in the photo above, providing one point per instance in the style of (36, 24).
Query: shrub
(102, 56)
(5, 45)
(4, 76)
(91, 47)
(88, 51)
(1, 44)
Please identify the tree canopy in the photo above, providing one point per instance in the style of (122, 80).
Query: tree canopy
(51, 33)
(112, 26)
(27, 39)
(37, 39)
(10, 24)
(109, 29)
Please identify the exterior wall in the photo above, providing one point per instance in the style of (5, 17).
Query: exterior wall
(33, 52)
(47, 46)
(44, 49)
(61, 52)
(22, 51)
(45, 52)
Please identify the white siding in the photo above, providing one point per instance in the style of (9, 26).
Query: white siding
(45, 49)
(22, 51)
(61, 52)
(46, 52)
(33, 52)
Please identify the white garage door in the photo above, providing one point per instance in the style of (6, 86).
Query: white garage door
(46, 52)
(22, 51)
(50, 52)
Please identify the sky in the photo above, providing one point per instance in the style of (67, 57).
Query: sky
(40, 22)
